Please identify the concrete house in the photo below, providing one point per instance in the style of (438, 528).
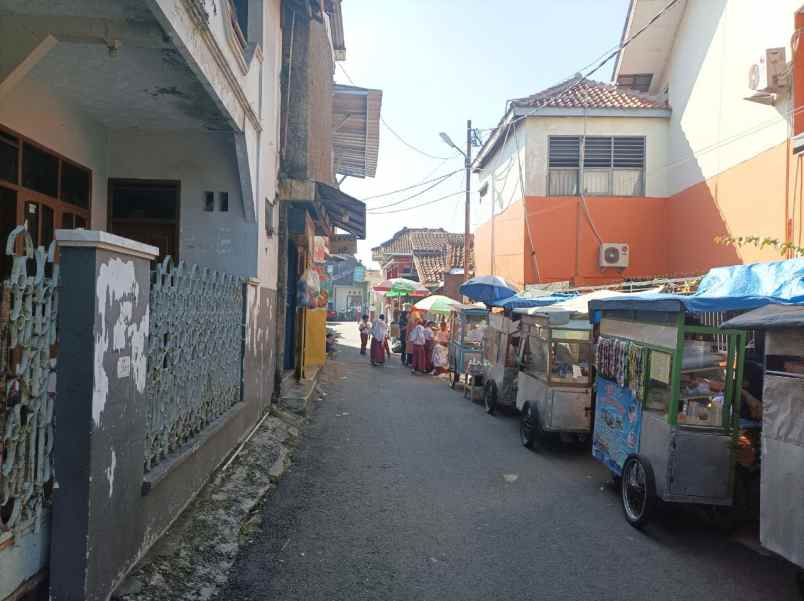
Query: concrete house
(326, 130)
(155, 127)
(431, 256)
(638, 178)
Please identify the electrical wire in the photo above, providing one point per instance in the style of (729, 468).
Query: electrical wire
(393, 131)
(438, 182)
(579, 78)
(423, 204)
(411, 187)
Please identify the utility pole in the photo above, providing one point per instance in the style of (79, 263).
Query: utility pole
(468, 164)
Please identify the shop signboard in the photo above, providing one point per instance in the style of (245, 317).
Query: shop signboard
(343, 245)
(618, 417)
(359, 274)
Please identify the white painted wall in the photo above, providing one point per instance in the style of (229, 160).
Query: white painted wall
(502, 176)
(200, 161)
(268, 251)
(713, 128)
(31, 110)
(539, 129)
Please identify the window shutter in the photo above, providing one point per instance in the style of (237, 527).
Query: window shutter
(629, 152)
(597, 151)
(564, 151)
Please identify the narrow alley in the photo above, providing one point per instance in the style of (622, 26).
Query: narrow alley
(402, 489)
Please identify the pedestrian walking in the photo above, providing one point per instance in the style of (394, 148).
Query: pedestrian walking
(379, 333)
(428, 347)
(402, 321)
(418, 340)
(365, 330)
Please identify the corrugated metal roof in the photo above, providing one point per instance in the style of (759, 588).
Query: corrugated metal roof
(356, 130)
(344, 211)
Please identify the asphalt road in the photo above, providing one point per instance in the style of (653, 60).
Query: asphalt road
(402, 489)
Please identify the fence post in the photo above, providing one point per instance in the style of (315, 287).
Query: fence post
(100, 412)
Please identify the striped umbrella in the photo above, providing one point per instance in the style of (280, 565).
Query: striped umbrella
(401, 287)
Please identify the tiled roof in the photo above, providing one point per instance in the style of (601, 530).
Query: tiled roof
(589, 94)
(434, 251)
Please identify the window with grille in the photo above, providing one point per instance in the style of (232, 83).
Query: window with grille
(612, 165)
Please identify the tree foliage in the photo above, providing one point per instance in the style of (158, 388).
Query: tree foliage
(784, 248)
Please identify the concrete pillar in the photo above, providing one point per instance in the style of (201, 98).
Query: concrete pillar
(100, 412)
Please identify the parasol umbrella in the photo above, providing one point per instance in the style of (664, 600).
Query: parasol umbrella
(401, 287)
(437, 303)
(487, 288)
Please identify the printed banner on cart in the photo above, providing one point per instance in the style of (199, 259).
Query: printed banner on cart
(618, 417)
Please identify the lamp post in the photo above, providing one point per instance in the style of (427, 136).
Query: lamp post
(467, 156)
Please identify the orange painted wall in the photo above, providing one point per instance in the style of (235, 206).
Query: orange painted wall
(668, 236)
(748, 199)
(567, 248)
(509, 245)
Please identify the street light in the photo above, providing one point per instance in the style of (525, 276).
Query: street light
(467, 156)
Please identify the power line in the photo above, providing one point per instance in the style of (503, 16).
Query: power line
(438, 182)
(393, 131)
(406, 188)
(423, 204)
(608, 56)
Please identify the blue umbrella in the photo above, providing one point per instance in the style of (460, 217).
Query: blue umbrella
(487, 288)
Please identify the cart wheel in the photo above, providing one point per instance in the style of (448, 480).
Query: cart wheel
(453, 379)
(490, 397)
(527, 426)
(638, 491)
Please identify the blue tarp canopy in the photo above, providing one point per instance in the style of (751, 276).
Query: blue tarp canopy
(739, 287)
(520, 301)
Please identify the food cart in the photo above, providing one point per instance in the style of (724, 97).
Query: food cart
(670, 383)
(500, 353)
(781, 520)
(466, 327)
(554, 391)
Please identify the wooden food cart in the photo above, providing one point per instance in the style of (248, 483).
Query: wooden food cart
(554, 391)
(466, 328)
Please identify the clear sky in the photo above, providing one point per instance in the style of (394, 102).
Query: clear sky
(441, 62)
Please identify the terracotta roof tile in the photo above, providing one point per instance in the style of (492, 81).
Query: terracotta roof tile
(592, 94)
(434, 251)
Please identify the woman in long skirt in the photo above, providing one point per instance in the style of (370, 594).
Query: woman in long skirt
(379, 332)
(428, 347)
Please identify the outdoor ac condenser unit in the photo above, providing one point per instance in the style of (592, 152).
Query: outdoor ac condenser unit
(614, 254)
(769, 74)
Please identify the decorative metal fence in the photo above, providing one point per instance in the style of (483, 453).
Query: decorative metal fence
(195, 351)
(28, 315)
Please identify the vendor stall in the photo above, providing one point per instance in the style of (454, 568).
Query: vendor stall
(501, 349)
(670, 383)
(781, 523)
(554, 393)
(467, 326)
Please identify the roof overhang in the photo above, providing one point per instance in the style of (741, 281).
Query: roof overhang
(336, 30)
(344, 211)
(356, 130)
(650, 52)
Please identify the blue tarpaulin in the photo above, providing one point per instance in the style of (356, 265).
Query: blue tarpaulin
(520, 301)
(724, 289)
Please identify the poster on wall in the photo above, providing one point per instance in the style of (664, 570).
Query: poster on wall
(618, 417)
(320, 250)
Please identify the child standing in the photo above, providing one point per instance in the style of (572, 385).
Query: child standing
(364, 328)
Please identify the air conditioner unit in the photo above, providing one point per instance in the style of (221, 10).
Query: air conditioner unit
(614, 255)
(769, 74)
